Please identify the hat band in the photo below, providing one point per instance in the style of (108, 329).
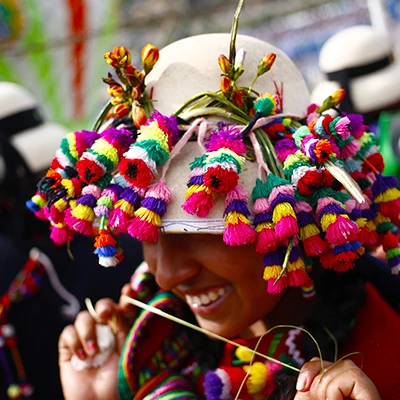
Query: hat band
(21, 121)
(361, 70)
(344, 76)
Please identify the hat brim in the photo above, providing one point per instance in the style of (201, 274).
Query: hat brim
(176, 220)
(38, 145)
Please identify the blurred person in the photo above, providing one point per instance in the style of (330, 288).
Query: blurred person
(41, 286)
(360, 60)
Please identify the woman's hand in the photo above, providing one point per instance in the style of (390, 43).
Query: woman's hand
(341, 380)
(80, 340)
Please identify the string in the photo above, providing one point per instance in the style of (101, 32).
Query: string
(91, 309)
(179, 146)
(73, 307)
(260, 159)
(95, 316)
(161, 313)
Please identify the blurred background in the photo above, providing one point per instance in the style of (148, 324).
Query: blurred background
(55, 47)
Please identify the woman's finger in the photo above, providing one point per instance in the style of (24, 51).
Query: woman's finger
(127, 308)
(110, 313)
(343, 380)
(69, 344)
(85, 327)
(308, 373)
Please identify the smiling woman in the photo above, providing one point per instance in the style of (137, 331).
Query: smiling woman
(229, 181)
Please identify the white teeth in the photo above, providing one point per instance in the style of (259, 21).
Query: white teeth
(195, 301)
(213, 296)
(205, 298)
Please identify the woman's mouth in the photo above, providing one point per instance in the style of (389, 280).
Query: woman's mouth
(207, 298)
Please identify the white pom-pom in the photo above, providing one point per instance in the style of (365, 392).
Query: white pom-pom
(106, 343)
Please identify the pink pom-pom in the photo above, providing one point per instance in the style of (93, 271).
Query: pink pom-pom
(119, 219)
(314, 246)
(276, 287)
(80, 225)
(342, 231)
(60, 236)
(286, 227)
(266, 241)
(261, 205)
(239, 234)
(143, 230)
(199, 203)
(297, 277)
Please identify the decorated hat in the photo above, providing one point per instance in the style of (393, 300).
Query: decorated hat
(214, 135)
(24, 127)
(360, 60)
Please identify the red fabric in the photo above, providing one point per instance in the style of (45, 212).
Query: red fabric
(376, 336)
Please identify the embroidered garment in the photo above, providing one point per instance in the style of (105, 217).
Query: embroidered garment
(158, 361)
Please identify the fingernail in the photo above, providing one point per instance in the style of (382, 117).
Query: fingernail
(92, 346)
(301, 382)
(81, 354)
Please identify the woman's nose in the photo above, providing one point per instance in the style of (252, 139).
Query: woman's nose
(176, 264)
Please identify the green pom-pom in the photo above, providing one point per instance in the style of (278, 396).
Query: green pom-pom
(259, 191)
(265, 106)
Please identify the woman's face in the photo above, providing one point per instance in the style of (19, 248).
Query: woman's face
(222, 285)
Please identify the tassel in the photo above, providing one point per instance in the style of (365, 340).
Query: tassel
(264, 227)
(199, 200)
(273, 262)
(81, 215)
(106, 248)
(390, 244)
(61, 233)
(308, 288)
(296, 271)
(221, 167)
(150, 151)
(97, 162)
(309, 233)
(387, 196)
(105, 203)
(340, 231)
(72, 146)
(238, 230)
(124, 208)
(144, 226)
(281, 199)
(363, 215)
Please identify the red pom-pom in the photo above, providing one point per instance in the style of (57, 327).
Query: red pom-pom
(89, 171)
(220, 180)
(136, 172)
(372, 163)
(309, 182)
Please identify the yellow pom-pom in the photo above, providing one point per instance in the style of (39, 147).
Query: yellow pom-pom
(327, 220)
(148, 216)
(258, 377)
(282, 210)
(308, 231)
(272, 272)
(264, 225)
(243, 354)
